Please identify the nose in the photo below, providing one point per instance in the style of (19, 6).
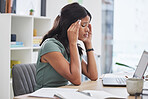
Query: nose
(86, 29)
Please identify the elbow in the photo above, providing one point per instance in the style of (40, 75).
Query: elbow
(94, 79)
(77, 83)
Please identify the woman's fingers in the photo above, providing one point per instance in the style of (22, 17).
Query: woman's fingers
(75, 27)
(73, 32)
(90, 28)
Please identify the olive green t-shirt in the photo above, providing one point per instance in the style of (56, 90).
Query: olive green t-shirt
(46, 76)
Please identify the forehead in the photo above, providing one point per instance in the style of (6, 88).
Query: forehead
(86, 19)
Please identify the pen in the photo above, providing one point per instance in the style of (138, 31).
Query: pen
(85, 93)
(58, 96)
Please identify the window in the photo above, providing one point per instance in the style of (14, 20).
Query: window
(107, 33)
(125, 33)
(130, 37)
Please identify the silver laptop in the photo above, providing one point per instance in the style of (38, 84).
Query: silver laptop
(121, 81)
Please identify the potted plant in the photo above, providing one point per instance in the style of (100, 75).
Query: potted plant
(31, 11)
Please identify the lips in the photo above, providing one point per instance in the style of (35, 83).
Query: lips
(85, 35)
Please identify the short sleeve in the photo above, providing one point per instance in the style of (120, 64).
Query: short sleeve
(49, 46)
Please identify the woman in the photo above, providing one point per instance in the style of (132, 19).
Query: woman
(59, 59)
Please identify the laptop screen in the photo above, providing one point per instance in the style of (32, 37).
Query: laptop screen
(141, 66)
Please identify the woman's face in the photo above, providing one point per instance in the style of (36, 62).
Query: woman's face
(83, 31)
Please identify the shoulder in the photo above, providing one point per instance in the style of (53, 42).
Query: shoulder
(52, 44)
(52, 41)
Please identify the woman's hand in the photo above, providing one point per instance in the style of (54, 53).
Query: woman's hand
(89, 38)
(73, 32)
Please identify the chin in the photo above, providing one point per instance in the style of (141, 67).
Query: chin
(82, 39)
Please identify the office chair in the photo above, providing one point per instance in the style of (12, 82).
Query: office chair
(23, 78)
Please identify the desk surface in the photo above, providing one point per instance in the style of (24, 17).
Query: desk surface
(91, 85)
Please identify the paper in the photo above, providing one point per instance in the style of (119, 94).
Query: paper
(50, 92)
(103, 95)
(68, 93)
(75, 95)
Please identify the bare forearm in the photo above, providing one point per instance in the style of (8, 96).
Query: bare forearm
(75, 61)
(91, 63)
(74, 67)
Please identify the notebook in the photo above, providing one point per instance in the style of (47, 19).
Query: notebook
(117, 80)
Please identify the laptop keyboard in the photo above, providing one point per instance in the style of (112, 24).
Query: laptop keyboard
(121, 80)
(114, 80)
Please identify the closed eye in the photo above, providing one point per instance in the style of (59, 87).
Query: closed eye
(84, 24)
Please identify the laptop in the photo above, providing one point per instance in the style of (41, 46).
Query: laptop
(121, 81)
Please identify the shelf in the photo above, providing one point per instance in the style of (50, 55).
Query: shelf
(36, 48)
(30, 16)
(42, 18)
(23, 26)
(20, 48)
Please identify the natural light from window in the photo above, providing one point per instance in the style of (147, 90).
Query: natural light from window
(130, 34)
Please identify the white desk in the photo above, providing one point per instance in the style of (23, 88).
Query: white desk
(91, 85)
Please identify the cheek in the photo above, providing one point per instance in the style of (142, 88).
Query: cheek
(80, 33)
(81, 30)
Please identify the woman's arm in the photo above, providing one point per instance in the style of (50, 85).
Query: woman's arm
(71, 71)
(90, 68)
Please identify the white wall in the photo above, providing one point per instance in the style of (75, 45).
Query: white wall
(93, 6)
(23, 7)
